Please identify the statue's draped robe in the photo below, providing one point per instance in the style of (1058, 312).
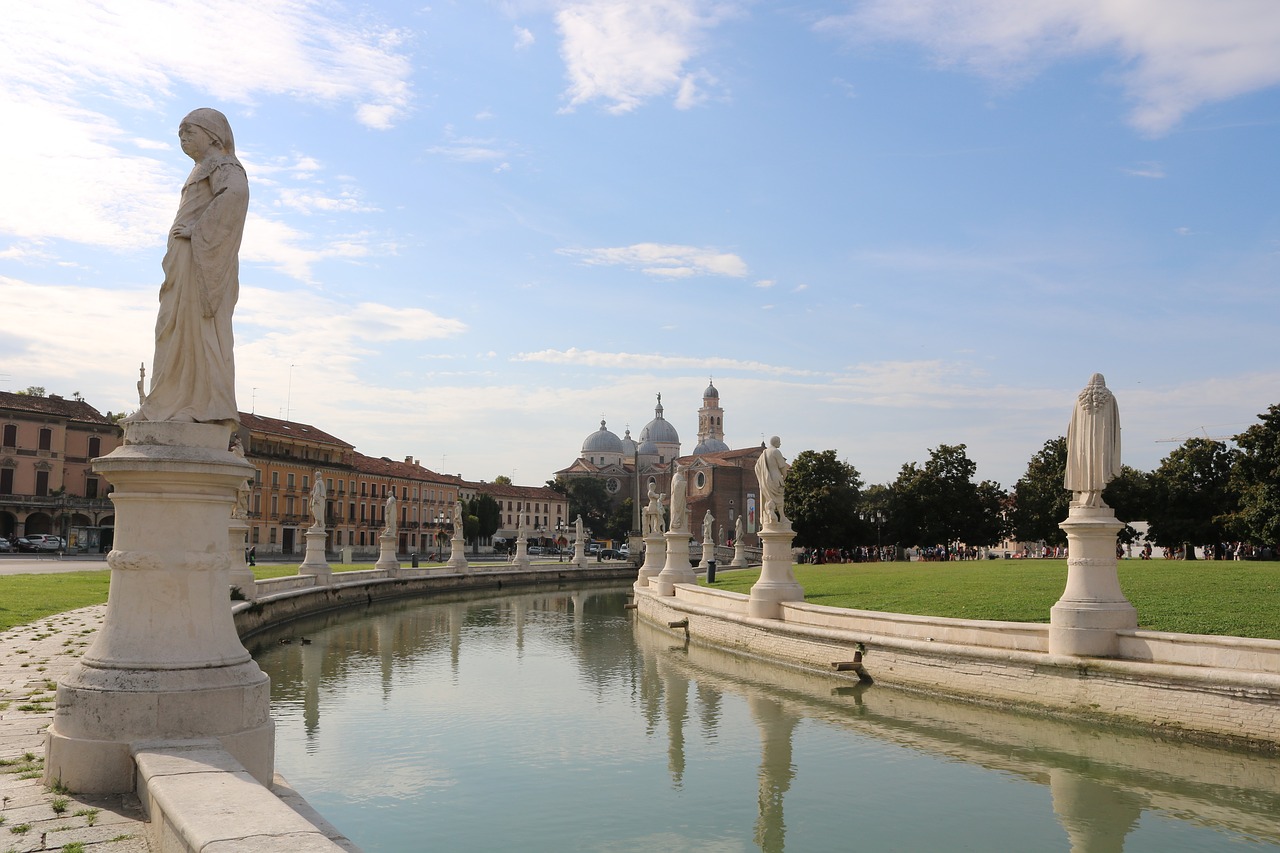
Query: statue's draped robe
(193, 373)
(770, 473)
(1093, 441)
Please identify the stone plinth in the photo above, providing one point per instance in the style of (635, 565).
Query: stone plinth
(167, 664)
(655, 557)
(1085, 620)
(457, 554)
(315, 562)
(708, 554)
(677, 568)
(777, 582)
(521, 558)
(739, 560)
(241, 576)
(580, 554)
(387, 561)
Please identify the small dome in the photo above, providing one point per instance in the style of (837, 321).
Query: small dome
(602, 441)
(710, 445)
(648, 448)
(628, 444)
(711, 391)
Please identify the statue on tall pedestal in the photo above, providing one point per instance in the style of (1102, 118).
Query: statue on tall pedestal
(1093, 444)
(193, 371)
(390, 512)
(707, 521)
(771, 472)
(319, 495)
(679, 499)
(739, 530)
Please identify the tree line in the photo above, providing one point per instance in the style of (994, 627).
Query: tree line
(1203, 492)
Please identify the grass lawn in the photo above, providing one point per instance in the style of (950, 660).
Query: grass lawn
(1197, 597)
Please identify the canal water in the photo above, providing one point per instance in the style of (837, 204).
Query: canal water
(555, 720)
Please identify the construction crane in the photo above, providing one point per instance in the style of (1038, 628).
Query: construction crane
(1205, 430)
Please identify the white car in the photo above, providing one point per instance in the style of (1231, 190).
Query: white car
(45, 542)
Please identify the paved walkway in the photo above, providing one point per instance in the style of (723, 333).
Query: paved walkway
(47, 564)
(32, 658)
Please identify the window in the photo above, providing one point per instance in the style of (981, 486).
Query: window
(275, 479)
(289, 482)
(91, 487)
(288, 505)
(271, 536)
(257, 506)
(275, 505)
(257, 535)
(46, 439)
(328, 485)
(364, 489)
(404, 493)
(10, 435)
(701, 479)
(306, 483)
(42, 483)
(351, 513)
(95, 446)
(6, 481)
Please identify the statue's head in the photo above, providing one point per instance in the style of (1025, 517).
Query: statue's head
(775, 441)
(215, 124)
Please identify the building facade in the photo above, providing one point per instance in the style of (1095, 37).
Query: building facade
(47, 483)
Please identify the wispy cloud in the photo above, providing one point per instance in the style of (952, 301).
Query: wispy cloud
(656, 361)
(664, 260)
(524, 38)
(624, 53)
(1145, 170)
(1173, 55)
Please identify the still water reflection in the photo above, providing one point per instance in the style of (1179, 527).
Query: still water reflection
(555, 720)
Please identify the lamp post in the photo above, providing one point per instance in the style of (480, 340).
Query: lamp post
(439, 524)
(877, 518)
(560, 543)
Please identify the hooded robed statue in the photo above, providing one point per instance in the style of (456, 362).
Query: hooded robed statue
(1093, 444)
(193, 372)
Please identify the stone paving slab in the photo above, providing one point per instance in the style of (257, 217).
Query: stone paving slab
(33, 658)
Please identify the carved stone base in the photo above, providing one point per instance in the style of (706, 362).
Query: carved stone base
(315, 562)
(167, 663)
(655, 557)
(521, 559)
(739, 560)
(1092, 608)
(708, 554)
(387, 561)
(457, 554)
(677, 568)
(777, 582)
(241, 576)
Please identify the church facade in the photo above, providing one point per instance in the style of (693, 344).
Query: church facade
(719, 479)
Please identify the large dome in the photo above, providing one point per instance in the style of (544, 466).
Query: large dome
(658, 430)
(602, 441)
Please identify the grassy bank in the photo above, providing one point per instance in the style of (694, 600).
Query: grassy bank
(1194, 597)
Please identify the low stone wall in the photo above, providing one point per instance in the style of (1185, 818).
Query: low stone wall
(1216, 689)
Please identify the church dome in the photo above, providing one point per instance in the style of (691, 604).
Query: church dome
(628, 445)
(648, 448)
(711, 392)
(710, 445)
(659, 430)
(602, 441)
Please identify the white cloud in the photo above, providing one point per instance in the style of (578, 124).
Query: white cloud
(282, 247)
(524, 38)
(664, 260)
(765, 283)
(654, 361)
(347, 201)
(467, 150)
(624, 52)
(1174, 55)
(1146, 170)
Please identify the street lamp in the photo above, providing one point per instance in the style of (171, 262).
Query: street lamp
(439, 519)
(560, 543)
(877, 518)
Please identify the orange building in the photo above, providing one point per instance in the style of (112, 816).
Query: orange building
(47, 484)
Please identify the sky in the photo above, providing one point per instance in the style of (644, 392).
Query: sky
(479, 228)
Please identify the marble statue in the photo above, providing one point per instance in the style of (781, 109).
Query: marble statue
(457, 519)
(1093, 444)
(577, 529)
(520, 533)
(679, 498)
(241, 510)
(706, 527)
(653, 511)
(771, 471)
(193, 372)
(391, 513)
(319, 494)
(739, 530)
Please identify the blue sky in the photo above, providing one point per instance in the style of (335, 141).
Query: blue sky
(478, 228)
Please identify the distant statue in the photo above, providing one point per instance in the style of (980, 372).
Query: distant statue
(241, 510)
(1093, 444)
(390, 511)
(771, 473)
(653, 511)
(679, 498)
(193, 372)
(739, 530)
(319, 494)
(707, 521)
(520, 534)
(457, 519)
(577, 529)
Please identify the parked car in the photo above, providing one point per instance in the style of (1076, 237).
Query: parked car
(45, 542)
(5, 545)
(612, 554)
(625, 551)
(24, 544)
(534, 550)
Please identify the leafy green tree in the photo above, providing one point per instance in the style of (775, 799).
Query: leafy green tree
(940, 504)
(620, 520)
(502, 480)
(1040, 502)
(588, 498)
(822, 498)
(33, 391)
(1130, 496)
(1257, 480)
(487, 515)
(1191, 499)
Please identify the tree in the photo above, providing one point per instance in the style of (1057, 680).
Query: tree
(1040, 502)
(487, 514)
(620, 520)
(588, 498)
(940, 503)
(33, 391)
(1256, 480)
(502, 480)
(1191, 497)
(1130, 496)
(822, 498)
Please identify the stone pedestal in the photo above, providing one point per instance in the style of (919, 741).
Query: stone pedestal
(655, 557)
(241, 576)
(708, 554)
(777, 582)
(677, 568)
(167, 664)
(457, 554)
(315, 562)
(387, 561)
(521, 559)
(739, 560)
(580, 554)
(1085, 620)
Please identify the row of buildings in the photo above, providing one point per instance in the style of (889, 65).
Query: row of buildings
(47, 482)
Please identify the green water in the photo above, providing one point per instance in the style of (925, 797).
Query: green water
(556, 721)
